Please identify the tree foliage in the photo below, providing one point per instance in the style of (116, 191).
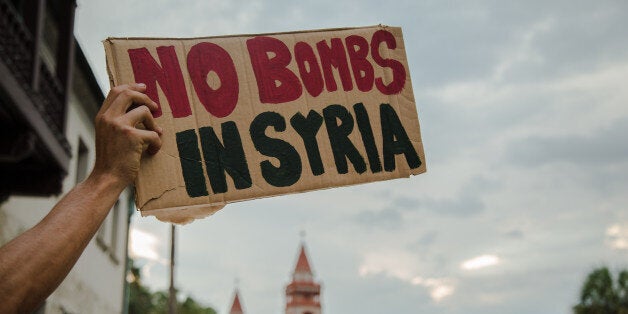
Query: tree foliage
(143, 301)
(600, 295)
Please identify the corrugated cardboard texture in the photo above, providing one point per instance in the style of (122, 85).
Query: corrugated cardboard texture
(353, 104)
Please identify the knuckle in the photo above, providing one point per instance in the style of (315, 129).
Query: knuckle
(103, 119)
(127, 93)
(127, 130)
(145, 99)
(118, 89)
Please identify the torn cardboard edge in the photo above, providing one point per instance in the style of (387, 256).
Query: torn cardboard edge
(184, 214)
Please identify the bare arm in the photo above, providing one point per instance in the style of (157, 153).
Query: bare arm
(35, 263)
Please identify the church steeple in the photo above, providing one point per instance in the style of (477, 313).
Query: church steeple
(236, 307)
(303, 293)
(302, 271)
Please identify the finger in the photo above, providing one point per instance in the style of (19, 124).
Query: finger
(150, 138)
(128, 97)
(115, 91)
(140, 87)
(142, 115)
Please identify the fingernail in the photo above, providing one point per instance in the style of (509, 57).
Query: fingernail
(160, 130)
(142, 85)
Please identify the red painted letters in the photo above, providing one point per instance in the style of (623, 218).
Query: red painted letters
(334, 56)
(309, 69)
(358, 50)
(270, 58)
(399, 72)
(276, 83)
(168, 75)
(206, 57)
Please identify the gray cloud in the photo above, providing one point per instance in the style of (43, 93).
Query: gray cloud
(428, 238)
(425, 243)
(465, 205)
(606, 146)
(392, 217)
(389, 218)
(404, 203)
(516, 234)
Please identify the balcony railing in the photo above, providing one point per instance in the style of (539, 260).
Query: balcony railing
(17, 53)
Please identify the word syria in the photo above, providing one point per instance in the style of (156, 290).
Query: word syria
(228, 155)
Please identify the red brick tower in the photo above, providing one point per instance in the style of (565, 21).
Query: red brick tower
(303, 293)
(236, 308)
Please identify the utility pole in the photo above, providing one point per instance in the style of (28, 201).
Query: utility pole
(172, 298)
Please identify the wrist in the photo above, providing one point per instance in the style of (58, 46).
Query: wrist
(103, 181)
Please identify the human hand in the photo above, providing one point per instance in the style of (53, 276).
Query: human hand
(119, 141)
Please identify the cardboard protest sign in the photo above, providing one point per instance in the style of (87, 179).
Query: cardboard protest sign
(254, 116)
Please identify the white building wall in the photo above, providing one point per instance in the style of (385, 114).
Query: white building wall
(96, 283)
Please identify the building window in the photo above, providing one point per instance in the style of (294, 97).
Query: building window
(107, 235)
(81, 161)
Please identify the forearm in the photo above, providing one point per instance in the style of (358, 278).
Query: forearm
(35, 263)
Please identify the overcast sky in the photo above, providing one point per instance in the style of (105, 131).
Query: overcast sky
(524, 117)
